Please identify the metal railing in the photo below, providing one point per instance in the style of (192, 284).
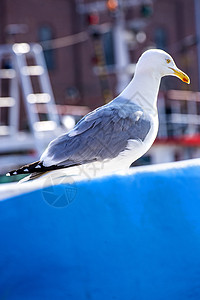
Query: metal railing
(179, 114)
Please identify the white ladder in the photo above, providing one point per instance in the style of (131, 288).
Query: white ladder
(19, 75)
(10, 101)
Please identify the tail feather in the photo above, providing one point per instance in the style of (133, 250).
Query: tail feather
(35, 167)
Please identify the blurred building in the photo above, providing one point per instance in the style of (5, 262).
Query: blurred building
(169, 25)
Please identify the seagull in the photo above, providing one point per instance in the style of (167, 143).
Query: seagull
(115, 134)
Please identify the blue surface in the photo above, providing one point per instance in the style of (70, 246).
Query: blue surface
(135, 237)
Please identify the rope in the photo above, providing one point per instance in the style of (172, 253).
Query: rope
(65, 41)
(70, 40)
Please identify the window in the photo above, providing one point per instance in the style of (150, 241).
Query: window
(46, 34)
(107, 40)
(161, 38)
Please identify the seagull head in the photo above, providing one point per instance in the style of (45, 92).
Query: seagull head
(160, 63)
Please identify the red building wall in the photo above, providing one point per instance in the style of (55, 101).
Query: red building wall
(73, 65)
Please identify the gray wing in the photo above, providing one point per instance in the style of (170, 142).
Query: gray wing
(102, 134)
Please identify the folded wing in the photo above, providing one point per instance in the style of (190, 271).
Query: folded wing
(102, 134)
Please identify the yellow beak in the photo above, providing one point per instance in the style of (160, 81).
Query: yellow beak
(180, 74)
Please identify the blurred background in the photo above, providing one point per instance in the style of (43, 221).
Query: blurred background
(61, 59)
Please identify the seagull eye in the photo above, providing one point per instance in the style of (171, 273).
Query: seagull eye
(168, 60)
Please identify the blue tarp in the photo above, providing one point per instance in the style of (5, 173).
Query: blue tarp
(133, 237)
